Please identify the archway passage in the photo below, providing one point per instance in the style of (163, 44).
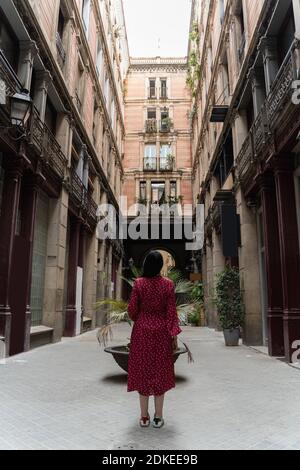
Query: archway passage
(169, 260)
(174, 250)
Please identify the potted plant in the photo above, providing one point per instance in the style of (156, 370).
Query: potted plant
(115, 311)
(230, 305)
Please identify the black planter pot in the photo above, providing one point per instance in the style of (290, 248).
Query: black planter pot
(232, 337)
(121, 355)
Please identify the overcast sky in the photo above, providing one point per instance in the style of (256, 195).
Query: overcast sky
(157, 27)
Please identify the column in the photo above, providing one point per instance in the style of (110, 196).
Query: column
(90, 276)
(268, 47)
(273, 266)
(56, 265)
(21, 278)
(70, 317)
(240, 131)
(289, 250)
(258, 89)
(10, 203)
(41, 91)
(28, 51)
(249, 271)
(218, 265)
(296, 8)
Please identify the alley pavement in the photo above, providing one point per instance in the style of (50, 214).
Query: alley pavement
(72, 395)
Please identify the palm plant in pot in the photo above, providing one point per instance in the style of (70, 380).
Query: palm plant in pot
(116, 312)
(230, 305)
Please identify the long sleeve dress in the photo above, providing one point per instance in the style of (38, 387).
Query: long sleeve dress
(153, 309)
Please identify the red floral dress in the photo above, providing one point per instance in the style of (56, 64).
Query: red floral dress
(153, 309)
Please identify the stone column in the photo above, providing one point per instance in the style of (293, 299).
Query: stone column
(250, 275)
(41, 91)
(28, 51)
(296, 8)
(10, 204)
(21, 279)
(56, 265)
(289, 250)
(209, 287)
(90, 276)
(218, 265)
(240, 131)
(257, 78)
(268, 47)
(273, 266)
(70, 317)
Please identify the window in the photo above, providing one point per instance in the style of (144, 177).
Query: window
(8, 42)
(143, 190)
(86, 4)
(60, 37)
(50, 117)
(166, 158)
(286, 35)
(152, 88)
(99, 58)
(222, 10)
(158, 193)
(173, 190)
(163, 88)
(151, 113)
(240, 30)
(80, 84)
(150, 163)
(106, 89)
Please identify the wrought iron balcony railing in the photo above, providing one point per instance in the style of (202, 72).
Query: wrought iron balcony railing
(60, 50)
(166, 125)
(46, 145)
(151, 126)
(150, 164)
(282, 87)
(82, 198)
(9, 85)
(166, 163)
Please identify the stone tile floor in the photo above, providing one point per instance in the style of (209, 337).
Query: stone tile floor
(73, 396)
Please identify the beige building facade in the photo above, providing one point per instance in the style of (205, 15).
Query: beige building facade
(70, 58)
(243, 63)
(157, 159)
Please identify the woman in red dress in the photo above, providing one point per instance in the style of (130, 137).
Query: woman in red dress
(154, 337)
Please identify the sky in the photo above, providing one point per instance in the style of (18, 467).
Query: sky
(157, 27)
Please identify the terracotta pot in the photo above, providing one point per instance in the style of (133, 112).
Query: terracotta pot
(121, 355)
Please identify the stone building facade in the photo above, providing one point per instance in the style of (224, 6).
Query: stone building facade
(158, 140)
(70, 57)
(157, 163)
(243, 63)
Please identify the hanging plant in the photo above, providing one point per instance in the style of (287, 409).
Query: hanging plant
(193, 59)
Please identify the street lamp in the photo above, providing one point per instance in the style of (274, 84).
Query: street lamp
(21, 105)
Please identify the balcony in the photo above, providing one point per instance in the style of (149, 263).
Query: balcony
(166, 163)
(280, 93)
(9, 86)
(46, 145)
(152, 93)
(163, 94)
(151, 126)
(245, 159)
(150, 164)
(82, 198)
(61, 54)
(78, 101)
(166, 126)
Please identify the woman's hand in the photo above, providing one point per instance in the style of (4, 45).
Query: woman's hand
(174, 343)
